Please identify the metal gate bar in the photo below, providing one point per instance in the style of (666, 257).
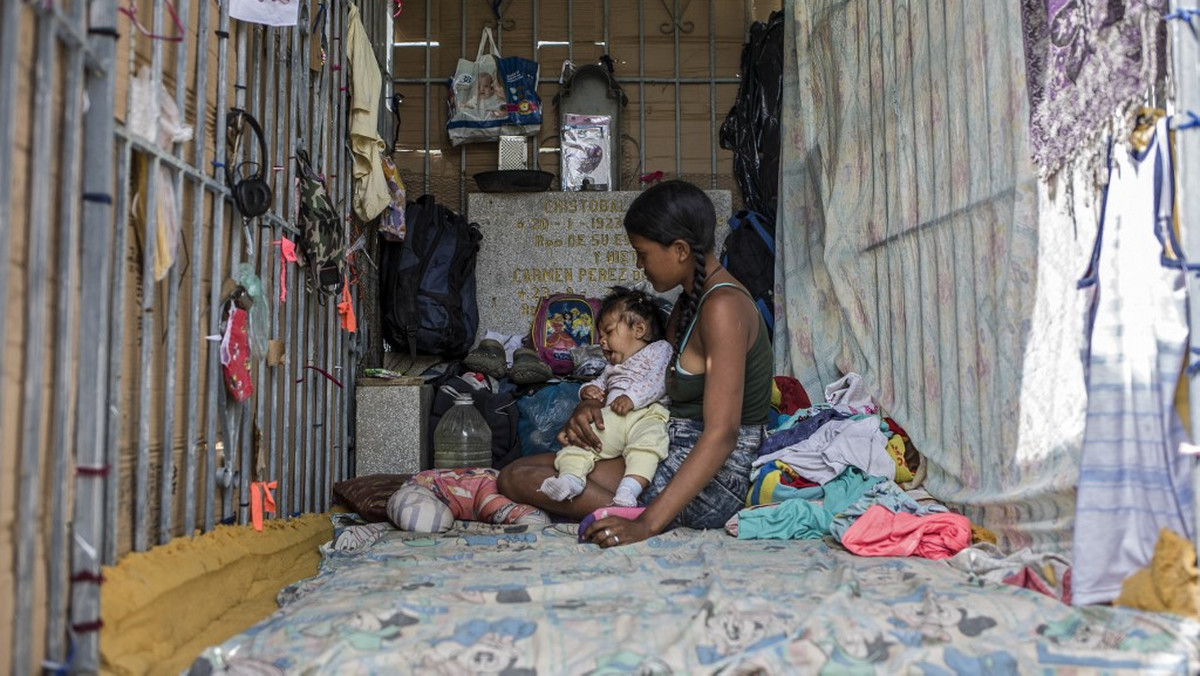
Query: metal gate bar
(35, 331)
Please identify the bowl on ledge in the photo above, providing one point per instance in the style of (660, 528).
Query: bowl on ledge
(514, 180)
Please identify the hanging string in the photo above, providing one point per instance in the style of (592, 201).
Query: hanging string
(320, 17)
(1193, 120)
(1187, 15)
(323, 372)
(399, 8)
(131, 12)
(501, 23)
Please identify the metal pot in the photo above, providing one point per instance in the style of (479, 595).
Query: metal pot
(514, 180)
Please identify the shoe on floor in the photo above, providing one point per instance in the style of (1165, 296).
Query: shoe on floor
(528, 368)
(487, 358)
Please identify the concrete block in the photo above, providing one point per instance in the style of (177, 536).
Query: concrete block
(391, 426)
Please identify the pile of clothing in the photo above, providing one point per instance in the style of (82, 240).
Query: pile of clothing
(836, 469)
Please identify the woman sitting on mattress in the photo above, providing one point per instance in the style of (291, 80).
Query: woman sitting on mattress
(719, 385)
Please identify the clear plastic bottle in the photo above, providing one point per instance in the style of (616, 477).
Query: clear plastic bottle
(462, 437)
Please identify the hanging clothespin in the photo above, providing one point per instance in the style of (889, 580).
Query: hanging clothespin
(1143, 127)
(131, 12)
(568, 69)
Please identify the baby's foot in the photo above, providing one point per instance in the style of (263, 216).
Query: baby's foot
(625, 499)
(627, 493)
(562, 487)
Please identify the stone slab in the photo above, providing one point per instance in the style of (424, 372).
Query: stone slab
(536, 244)
(391, 426)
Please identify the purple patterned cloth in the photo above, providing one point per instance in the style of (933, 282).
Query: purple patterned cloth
(1085, 60)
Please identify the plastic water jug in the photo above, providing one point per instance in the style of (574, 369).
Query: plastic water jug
(462, 437)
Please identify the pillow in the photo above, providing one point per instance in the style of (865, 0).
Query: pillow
(415, 508)
(368, 495)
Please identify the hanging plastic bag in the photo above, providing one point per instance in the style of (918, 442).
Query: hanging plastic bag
(235, 353)
(520, 78)
(477, 106)
(585, 143)
(155, 118)
(493, 96)
(256, 320)
(279, 13)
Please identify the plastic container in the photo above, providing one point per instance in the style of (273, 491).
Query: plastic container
(462, 437)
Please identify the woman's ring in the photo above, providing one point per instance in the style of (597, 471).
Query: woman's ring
(616, 540)
(607, 533)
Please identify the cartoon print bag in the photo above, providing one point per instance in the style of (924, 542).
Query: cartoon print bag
(563, 321)
(476, 99)
(493, 96)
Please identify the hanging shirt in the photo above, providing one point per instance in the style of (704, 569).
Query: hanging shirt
(371, 193)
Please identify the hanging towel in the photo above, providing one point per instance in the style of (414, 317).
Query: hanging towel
(371, 193)
(1133, 481)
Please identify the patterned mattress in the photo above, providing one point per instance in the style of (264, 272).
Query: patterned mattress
(484, 599)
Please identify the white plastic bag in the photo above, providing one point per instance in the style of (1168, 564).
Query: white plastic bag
(267, 13)
(155, 118)
(585, 143)
(478, 109)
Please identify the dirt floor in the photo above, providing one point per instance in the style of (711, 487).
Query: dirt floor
(163, 606)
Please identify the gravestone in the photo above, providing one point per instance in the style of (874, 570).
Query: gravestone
(536, 244)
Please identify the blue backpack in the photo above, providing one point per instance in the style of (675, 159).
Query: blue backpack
(749, 255)
(427, 282)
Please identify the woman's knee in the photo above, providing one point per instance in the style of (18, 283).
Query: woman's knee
(521, 476)
(505, 483)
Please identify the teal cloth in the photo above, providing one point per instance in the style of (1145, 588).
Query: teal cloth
(806, 519)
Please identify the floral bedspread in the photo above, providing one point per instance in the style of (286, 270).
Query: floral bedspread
(506, 600)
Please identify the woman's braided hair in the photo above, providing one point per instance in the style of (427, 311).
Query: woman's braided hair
(677, 210)
(635, 304)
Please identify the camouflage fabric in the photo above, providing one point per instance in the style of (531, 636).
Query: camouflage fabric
(322, 233)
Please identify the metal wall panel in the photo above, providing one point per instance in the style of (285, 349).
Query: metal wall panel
(114, 419)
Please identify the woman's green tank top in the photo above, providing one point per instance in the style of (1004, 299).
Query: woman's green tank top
(687, 389)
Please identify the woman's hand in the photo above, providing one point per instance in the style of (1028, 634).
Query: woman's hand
(614, 531)
(578, 430)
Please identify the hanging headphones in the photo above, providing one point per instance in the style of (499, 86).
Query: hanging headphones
(251, 192)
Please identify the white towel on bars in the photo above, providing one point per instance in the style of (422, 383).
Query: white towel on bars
(1133, 481)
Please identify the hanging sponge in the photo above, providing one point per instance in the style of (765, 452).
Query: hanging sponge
(1169, 583)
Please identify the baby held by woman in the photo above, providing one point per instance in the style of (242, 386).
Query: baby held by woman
(632, 387)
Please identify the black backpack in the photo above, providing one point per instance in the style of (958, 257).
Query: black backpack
(749, 255)
(427, 282)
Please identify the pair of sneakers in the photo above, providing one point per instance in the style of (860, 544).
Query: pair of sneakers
(488, 358)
